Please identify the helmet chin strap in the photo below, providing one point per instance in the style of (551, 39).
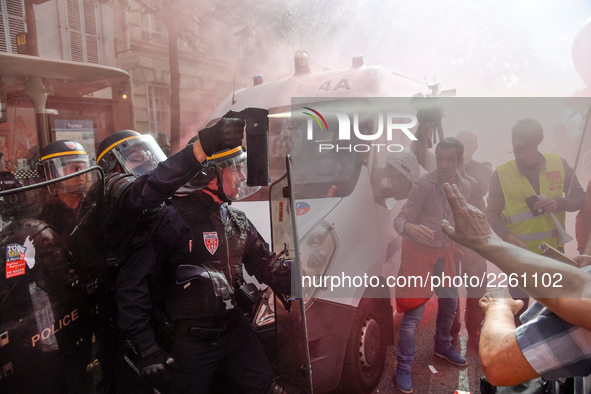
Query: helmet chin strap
(219, 193)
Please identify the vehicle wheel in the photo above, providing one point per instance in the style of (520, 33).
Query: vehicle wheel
(366, 348)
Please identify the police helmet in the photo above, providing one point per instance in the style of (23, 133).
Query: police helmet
(129, 152)
(230, 166)
(63, 157)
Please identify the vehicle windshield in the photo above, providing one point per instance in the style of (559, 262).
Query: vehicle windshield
(320, 169)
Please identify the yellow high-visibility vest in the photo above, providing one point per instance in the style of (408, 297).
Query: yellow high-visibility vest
(519, 219)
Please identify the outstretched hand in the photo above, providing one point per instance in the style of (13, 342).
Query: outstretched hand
(471, 226)
(499, 296)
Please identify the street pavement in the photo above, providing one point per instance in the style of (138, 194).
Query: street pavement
(448, 377)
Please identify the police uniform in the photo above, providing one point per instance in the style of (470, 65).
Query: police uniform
(196, 258)
(134, 207)
(63, 219)
(190, 272)
(132, 202)
(148, 293)
(49, 304)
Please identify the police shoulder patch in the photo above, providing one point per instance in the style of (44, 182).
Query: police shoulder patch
(211, 241)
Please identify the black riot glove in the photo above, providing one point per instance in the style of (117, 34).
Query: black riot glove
(155, 366)
(227, 133)
(281, 271)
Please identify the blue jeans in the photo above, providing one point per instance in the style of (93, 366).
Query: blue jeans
(446, 312)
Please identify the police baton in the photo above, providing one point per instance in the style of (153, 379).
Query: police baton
(137, 371)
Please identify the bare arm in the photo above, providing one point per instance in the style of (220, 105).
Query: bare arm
(571, 301)
(502, 360)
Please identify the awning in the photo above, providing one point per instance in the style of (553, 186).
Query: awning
(39, 77)
(59, 77)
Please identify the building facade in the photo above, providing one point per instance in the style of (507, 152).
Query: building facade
(58, 74)
(208, 74)
(82, 69)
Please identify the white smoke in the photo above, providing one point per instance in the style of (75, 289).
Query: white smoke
(496, 48)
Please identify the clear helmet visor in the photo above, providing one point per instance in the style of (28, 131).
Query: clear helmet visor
(139, 155)
(233, 173)
(62, 166)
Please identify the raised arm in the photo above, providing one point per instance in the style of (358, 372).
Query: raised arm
(152, 189)
(570, 301)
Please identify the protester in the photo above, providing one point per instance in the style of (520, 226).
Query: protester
(555, 339)
(571, 300)
(427, 251)
(526, 191)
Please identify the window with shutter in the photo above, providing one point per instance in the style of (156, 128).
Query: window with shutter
(12, 22)
(91, 31)
(83, 31)
(4, 34)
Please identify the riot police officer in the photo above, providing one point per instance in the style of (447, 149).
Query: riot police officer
(68, 279)
(144, 178)
(74, 206)
(60, 159)
(139, 179)
(193, 270)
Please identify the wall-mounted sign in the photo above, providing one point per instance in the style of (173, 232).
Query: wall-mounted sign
(82, 130)
(22, 45)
